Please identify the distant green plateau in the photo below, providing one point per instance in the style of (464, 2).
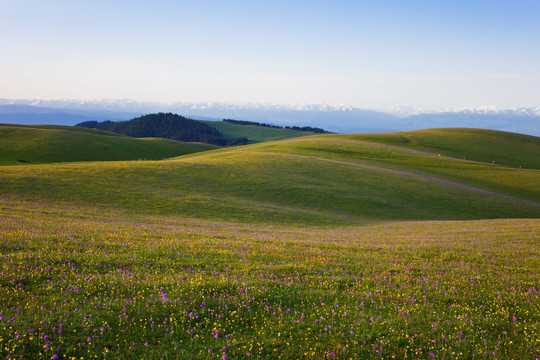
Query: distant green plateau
(255, 134)
(442, 174)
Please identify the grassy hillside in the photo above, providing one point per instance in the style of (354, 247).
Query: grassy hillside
(488, 176)
(503, 148)
(37, 144)
(325, 179)
(255, 134)
(293, 249)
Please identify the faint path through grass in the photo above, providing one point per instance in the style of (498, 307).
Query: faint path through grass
(424, 177)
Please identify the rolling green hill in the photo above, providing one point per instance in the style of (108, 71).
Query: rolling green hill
(503, 148)
(255, 134)
(307, 248)
(324, 179)
(36, 144)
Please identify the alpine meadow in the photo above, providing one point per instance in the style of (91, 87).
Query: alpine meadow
(402, 245)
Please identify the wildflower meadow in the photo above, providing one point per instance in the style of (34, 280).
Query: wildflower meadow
(82, 284)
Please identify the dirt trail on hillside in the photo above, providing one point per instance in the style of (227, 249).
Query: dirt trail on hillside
(424, 177)
(410, 174)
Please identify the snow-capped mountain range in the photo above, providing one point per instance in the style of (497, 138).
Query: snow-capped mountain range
(340, 118)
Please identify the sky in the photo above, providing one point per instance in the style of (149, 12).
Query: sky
(367, 54)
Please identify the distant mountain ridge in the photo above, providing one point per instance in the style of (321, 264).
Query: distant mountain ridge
(341, 119)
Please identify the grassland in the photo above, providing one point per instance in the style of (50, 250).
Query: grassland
(322, 247)
(38, 144)
(91, 284)
(255, 134)
(325, 179)
(503, 148)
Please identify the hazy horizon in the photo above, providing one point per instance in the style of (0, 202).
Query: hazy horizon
(368, 55)
(399, 110)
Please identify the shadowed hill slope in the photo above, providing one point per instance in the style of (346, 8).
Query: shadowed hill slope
(36, 144)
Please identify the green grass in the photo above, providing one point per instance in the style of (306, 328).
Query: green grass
(502, 148)
(255, 134)
(494, 177)
(308, 248)
(79, 282)
(38, 144)
(325, 179)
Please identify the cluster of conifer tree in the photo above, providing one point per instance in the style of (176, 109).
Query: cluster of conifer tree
(166, 125)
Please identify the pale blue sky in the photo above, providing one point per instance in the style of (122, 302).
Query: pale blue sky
(368, 54)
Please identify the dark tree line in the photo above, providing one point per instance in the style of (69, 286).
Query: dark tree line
(307, 128)
(243, 122)
(298, 128)
(168, 126)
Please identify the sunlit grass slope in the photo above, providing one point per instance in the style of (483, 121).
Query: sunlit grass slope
(503, 148)
(325, 179)
(49, 144)
(372, 148)
(255, 134)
